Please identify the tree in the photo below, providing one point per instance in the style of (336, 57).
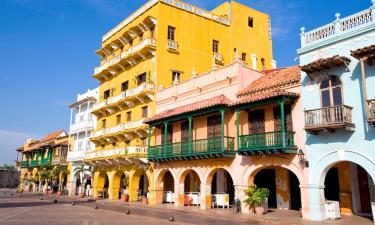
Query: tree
(81, 171)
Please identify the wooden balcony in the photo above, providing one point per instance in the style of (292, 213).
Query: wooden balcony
(24, 164)
(267, 143)
(329, 119)
(196, 149)
(371, 112)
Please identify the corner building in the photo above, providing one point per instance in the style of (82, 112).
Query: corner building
(161, 43)
(220, 132)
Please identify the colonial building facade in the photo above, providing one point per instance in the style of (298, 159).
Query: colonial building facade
(161, 43)
(82, 125)
(218, 133)
(44, 163)
(338, 79)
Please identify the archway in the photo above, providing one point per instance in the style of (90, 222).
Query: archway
(222, 188)
(138, 185)
(101, 184)
(191, 187)
(351, 186)
(78, 184)
(168, 187)
(283, 185)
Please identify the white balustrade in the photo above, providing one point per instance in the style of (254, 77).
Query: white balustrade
(131, 150)
(120, 127)
(338, 27)
(140, 88)
(173, 45)
(82, 125)
(99, 105)
(218, 57)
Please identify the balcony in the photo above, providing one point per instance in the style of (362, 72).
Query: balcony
(59, 160)
(172, 45)
(123, 156)
(126, 58)
(218, 57)
(267, 143)
(82, 126)
(332, 31)
(34, 163)
(329, 118)
(197, 149)
(44, 161)
(125, 99)
(371, 112)
(24, 164)
(119, 128)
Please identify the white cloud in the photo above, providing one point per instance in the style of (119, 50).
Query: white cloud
(9, 142)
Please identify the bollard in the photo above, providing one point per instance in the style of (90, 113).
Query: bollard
(127, 212)
(171, 219)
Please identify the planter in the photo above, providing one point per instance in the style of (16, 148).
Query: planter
(260, 211)
(145, 200)
(81, 195)
(125, 198)
(59, 193)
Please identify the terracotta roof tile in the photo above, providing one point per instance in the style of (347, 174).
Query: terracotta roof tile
(204, 104)
(321, 64)
(273, 80)
(368, 51)
(263, 96)
(44, 141)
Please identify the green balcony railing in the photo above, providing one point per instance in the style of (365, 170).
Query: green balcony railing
(34, 163)
(266, 141)
(24, 164)
(45, 161)
(210, 146)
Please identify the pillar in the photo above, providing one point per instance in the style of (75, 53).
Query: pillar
(316, 202)
(240, 194)
(205, 197)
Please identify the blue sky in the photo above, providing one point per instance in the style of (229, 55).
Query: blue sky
(48, 53)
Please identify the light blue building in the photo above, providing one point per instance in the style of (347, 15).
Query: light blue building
(338, 78)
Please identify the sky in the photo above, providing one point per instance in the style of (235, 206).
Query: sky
(48, 53)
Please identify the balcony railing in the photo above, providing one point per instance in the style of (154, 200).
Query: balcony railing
(119, 152)
(268, 142)
(44, 161)
(172, 45)
(142, 88)
(120, 127)
(24, 164)
(329, 118)
(82, 125)
(371, 112)
(204, 148)
(34, 163)
(340, 26)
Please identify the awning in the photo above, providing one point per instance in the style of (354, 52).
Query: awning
(327, 63)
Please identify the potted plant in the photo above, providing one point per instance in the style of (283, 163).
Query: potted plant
(124, 184)
(81, 171)
(145, 200)
(257, 199)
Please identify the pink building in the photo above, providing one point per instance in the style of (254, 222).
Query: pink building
(216, 134)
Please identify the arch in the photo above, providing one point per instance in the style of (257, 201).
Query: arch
(227, 186)
(319, 170)
(134, 183)
(101, 184)
(268, 162)
(182, 175)
(160, 177)
(211, 172)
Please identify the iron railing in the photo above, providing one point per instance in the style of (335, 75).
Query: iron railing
(328, 116)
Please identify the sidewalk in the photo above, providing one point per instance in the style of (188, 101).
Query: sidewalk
(277, 217)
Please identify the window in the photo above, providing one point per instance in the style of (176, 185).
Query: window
(152, 30)
(107, 94)
(104, 123)
(176, 76)
(250, 21)
(144, 111)
(331, 91)
(263, 61)
(169, 134)
(118, 119)
(171, 33)
(125, 86)
(288, 118)
(141, 78)
(215, 46)
(129, 116)
(243, 57)
(256, 121)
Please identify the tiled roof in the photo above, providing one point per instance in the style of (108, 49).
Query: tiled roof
(322, 64)
(263, 96)
(204, 104)
(273, 80)
(368, 51)
(44, 141)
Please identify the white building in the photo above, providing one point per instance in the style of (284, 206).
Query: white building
(82, 125)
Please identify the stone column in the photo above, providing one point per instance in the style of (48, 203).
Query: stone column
(205, 196)
(316, 202)
(179, 194)
(240, 194)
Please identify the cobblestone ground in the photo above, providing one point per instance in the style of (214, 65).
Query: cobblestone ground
(36, 212)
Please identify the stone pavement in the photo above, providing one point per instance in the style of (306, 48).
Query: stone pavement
(29, 209)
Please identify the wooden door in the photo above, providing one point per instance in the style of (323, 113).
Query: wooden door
(364, 191)
(184, 137)
(214, 132)
(257, 137)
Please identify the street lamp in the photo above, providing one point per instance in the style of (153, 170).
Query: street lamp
(301, 157)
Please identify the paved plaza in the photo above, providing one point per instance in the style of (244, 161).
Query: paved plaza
(29, 209)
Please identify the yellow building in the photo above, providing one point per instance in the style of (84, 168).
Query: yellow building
(160, 44)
